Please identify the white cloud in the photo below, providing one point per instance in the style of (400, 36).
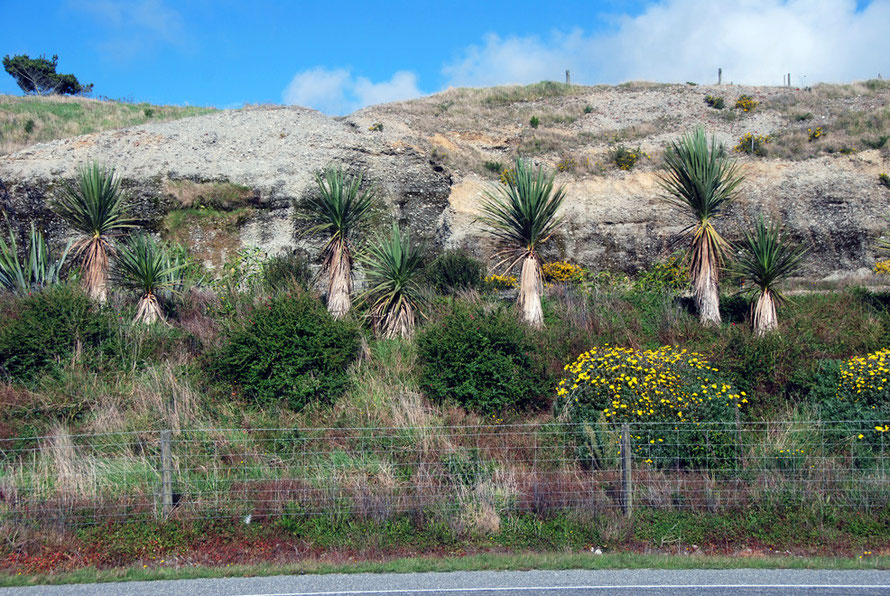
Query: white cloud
(338, 92)
(134, 26)
(754, 41)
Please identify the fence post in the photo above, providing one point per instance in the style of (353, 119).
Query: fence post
(568, 78)
(719, 76)
(626, 487)
(166, 474)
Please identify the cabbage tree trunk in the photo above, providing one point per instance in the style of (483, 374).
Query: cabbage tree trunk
(340, 288)
(765, 319)
(95, 270)
(705, 288)
(149, 310)
(399, 323)
(531, 287)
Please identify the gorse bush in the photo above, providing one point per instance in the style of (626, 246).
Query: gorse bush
(624, 158)
(815, 133)
(884, 179)
(287, 350)
(563, 272)
(746, 103)
(42, 329)
(653, 390)
(853, 399)
(495, 282)
(566, 164)
(483, 361)
(455, 270)
(752, 144)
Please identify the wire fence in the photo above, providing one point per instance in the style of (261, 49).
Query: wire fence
(461, 472)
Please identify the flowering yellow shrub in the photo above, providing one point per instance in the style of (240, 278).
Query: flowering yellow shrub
(752, 143)
(860, 410)
(745, 103)
(884, 179)
(566, 164)
(562, 272)
(626, 158)
(882, 267)
(676, 403)
(815, 133)
(500, 282)
(507, 177)
(864, 377)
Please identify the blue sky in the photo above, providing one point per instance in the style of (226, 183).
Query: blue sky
(340, 56)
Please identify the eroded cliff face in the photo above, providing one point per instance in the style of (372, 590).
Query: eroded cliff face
(228, 180)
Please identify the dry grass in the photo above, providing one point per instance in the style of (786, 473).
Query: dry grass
(56, 117)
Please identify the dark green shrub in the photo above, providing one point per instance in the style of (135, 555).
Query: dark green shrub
(29, 126)
(494, 166)
(44, 328)
(282, 272)
(485, 362)
(534, 122)
(455, 270)
(715, 102)
(669, 275)
(876, 143)
(288, 350)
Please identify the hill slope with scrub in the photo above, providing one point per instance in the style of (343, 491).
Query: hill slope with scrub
(200, 403)
(227, 179)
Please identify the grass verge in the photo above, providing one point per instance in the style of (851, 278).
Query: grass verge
(477, 562)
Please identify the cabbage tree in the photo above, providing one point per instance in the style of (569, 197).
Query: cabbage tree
(701, 180)
(521, 217)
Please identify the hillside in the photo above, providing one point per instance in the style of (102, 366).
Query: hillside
(433, 156)
(254, 427)
(36, 119)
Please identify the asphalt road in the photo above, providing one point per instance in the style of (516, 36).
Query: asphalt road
(504, 583)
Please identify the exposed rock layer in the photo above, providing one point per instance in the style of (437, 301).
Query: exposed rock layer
(430, 172)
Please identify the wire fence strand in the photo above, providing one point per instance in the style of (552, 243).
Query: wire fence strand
(376, 473)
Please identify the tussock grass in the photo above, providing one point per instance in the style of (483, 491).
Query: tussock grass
(53, 118)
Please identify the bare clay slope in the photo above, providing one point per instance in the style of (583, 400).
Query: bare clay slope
(430, 159)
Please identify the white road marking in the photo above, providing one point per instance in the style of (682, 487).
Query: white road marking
(608, 587)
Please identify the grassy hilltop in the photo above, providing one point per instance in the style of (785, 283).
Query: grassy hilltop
(29, 119)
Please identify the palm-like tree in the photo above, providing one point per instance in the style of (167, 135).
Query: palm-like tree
(767, 257)
(339, 209)
(95, 209)
(38, 271)
(701, 179)
(149, 268)
(521, 216)
(394, 267)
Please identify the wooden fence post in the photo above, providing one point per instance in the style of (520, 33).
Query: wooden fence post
(166, 474)
(626, 484)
